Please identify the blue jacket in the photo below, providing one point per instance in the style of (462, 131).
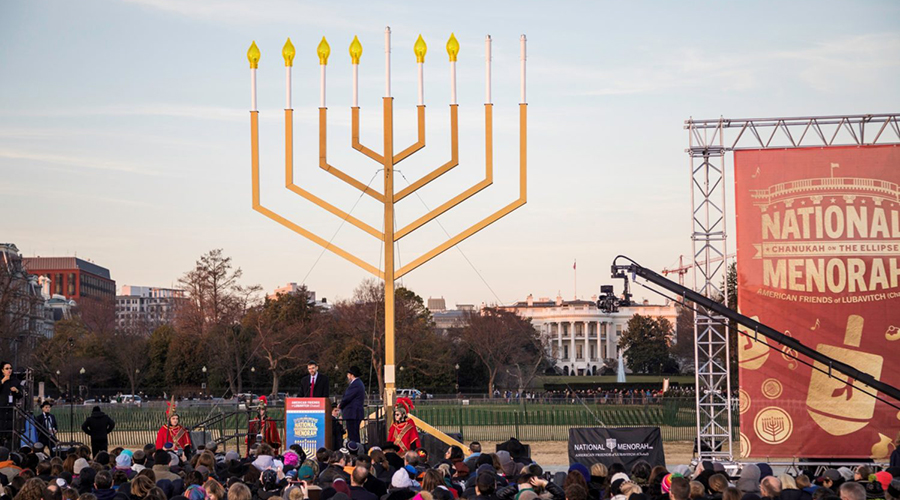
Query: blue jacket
(352, 401)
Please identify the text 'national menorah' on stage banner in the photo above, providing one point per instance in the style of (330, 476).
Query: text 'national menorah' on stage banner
(818, 259)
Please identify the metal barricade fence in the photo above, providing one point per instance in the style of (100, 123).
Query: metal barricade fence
(137, 426)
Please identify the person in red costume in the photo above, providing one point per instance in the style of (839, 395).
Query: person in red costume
(263, 426)
(403, 431)
(173, 432)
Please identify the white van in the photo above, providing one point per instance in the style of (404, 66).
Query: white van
(413, 394)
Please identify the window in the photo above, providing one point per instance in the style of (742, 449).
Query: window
(565, 352)
(59, 284)
(593, 352)
(71, 283)
(579, 351)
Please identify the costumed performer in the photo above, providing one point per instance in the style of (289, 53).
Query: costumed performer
(263, 426)
(403, 432)
(173, 432)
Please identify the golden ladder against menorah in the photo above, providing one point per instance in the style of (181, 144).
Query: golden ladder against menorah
(388, 159)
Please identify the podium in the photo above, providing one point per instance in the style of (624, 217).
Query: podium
(307, 422)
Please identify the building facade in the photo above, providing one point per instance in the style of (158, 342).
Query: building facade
(581, 338)
(147, 307)
(73, 278)
(24, 316)
(446, 319)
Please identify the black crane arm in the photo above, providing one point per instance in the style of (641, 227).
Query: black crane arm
(633, 268)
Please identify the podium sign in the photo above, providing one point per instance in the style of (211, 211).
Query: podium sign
(307, 422)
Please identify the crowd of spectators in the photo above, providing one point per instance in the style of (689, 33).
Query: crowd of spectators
(384, 473)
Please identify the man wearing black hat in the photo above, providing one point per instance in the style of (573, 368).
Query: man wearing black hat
(314, 385)
(48, 422)
(352, 403)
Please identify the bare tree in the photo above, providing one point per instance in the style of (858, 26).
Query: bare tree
(503, 340)
(359, 325)
(287, 329)
(216, 304)
(528, 361)
(130, 349)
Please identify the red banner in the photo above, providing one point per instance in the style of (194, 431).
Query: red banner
(818, 234)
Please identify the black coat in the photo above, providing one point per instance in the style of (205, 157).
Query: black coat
(98, 426)
(353, 400)
(319, 391)
(41, 419)
(7, 396)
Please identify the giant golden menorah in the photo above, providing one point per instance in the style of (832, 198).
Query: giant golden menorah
(387, 159)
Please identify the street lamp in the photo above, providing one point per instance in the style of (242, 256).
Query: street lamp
(456, 366)
(205, 380)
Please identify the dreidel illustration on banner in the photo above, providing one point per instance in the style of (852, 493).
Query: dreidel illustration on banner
(838, 408)
(751, 353)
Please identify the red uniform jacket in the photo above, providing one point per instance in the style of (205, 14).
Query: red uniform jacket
(269, 432)
(178, 436)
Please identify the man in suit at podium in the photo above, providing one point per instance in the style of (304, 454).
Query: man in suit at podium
(352, 403)
(314, 385)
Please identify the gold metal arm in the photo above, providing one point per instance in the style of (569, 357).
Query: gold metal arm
(443, 169)
(289, 180)
(523, 191)
(468, 193)
(323, 162)
(355, 138)
(420, 142)
(254, 155)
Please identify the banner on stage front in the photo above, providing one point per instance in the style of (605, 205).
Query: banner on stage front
(818, 242)
(305, 423)
(606, 445)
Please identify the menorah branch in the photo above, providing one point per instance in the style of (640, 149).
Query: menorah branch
(354, 137)
(323, 161)
(487, 221)
(257, 205)
(443, 169)
(420, 142)
(289, 180)
(468, 193)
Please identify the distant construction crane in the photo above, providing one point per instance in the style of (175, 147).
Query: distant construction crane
(682, 268)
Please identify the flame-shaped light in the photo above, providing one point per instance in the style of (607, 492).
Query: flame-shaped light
(288, 53)
(355, 50)
(452, 47)
(420, 48)
(323, 50)
(253, 55)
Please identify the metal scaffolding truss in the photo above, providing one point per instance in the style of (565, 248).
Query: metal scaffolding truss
(709, 141)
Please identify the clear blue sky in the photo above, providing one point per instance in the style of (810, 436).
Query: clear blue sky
(124, 127)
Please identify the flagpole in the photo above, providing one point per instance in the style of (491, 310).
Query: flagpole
(575, 268)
